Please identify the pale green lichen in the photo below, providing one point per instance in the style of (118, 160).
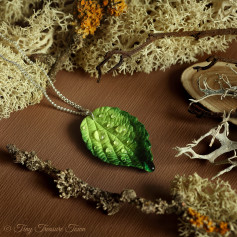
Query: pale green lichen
(16, 92)
(214, 199)
(45, 30)
(131, 29)
(39, 27)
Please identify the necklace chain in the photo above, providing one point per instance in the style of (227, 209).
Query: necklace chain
(81, 111)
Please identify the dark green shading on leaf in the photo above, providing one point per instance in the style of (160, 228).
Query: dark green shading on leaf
(118, 138)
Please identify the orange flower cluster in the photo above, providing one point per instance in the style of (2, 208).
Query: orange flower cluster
(90, 13)
(200, 221)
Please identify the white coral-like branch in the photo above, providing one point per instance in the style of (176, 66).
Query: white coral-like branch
(226, 146)
(225, 87)
(223, 91)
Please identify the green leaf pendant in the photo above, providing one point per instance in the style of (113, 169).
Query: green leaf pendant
(118, 138)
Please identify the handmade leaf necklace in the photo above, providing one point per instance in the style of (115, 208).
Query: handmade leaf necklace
(111, 134)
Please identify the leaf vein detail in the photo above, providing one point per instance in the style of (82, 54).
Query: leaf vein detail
(113, 135)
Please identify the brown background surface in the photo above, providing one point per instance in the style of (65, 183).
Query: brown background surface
(159, 102)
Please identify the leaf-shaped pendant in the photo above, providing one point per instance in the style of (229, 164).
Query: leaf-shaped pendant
(118, 138)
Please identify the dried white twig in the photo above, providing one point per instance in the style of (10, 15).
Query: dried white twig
(226, 146)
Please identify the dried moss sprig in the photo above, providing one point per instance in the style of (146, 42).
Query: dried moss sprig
(213, 221)
(71, 186)
(153, 37)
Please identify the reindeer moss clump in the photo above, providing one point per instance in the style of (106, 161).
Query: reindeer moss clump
(15, 91)
(142, 17)
(40, 28)
(214, 199)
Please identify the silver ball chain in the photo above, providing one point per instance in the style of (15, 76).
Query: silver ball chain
(82, 111)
